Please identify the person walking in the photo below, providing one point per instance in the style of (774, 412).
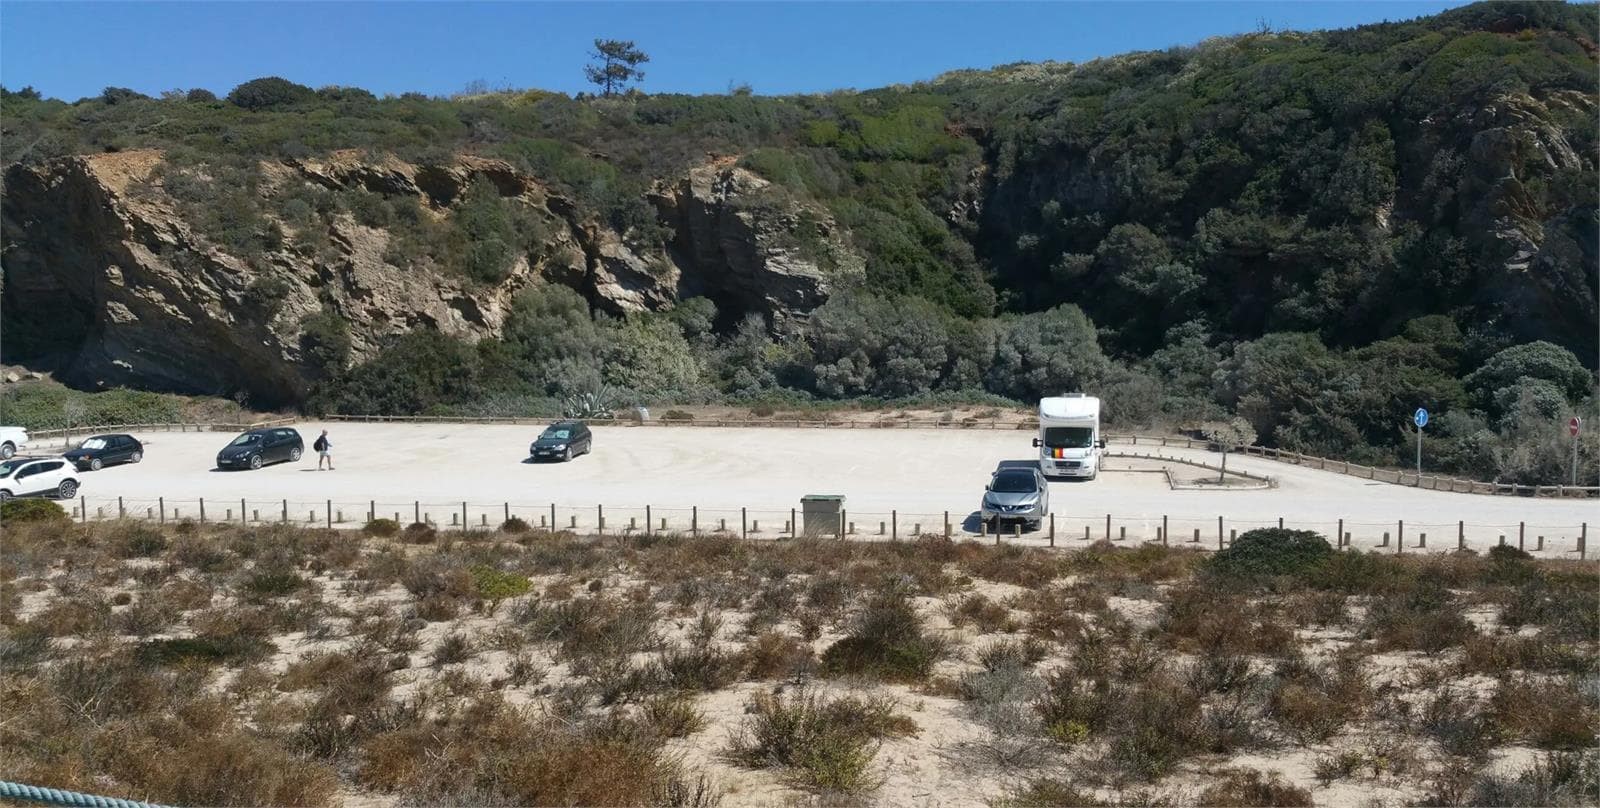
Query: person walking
(324, 449)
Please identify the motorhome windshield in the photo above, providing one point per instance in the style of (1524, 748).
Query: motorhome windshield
(1068, 437)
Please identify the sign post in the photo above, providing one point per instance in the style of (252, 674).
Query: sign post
(1421, 419)
(1574, 425)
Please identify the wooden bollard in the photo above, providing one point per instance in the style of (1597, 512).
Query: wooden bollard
(1233, 535)
(1522, 535)
(572, 522)
(722, 525)
(852, 528)
(1502, 539)
(663, 524)
(1108, 527)
(1422, 540)
(1347, 539)
(633, 523)
(161, 506)
(483, 520)
(149, 513)
(1052, 530)
(787, 528)
(1086, 536)
(452, 520)
(755, 525)
(541, 522)
(255, 515)
(883, 528)
(1338, 535)
(947, 525)
(1385, 539)
(340, 519)
(1539, 547)
(916, 529)
(100, 513)
(1461, 535)
(1196, 539)
(1122, 533)
(311, 517)
(1016, 530)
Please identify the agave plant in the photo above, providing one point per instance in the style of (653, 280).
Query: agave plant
(593, 403)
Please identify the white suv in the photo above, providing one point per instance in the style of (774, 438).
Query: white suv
(38, 477)
(12, 438)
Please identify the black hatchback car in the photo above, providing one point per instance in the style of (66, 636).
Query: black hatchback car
(258, 447)
(562, 440)
(99, 451)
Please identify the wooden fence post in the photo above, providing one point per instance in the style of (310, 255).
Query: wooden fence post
(1400, 537)
(599, 518)
(463, 517)
(1522, 536)
(1108, 527)
(123, 514)
(1338, 538)
(1164, 535)
(694, 520)
(1461, 535)
(508, 510)
(330, 515)
(416, 512)
(1219, 533)
(1052, 528)
(894, 525)
(744, 524)
(947, 525)
(161, 502)
(1583, 539)
(647, 522)
(552, 517)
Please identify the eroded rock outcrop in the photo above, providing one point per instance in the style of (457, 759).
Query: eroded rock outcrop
(108, 285)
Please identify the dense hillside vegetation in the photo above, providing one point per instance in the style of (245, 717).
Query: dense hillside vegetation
(1319, 232)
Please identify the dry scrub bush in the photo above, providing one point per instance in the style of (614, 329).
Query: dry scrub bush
(774, 655)
(1549, 715)
(672, 715)
(887, 641)
(1427, 618)
(1555, 780)
(985, 614)
(825, 744)
(491, 753)
(1247, 788)
(1197, 618)
(1313, 703)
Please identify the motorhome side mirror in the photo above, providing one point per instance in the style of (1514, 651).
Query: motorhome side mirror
(1102, 443)
(1036, 442)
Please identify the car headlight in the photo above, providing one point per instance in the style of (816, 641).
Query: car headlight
(558, 447)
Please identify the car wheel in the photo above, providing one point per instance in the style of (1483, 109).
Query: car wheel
(294, 455)
(255, 462)
(566, 455)
(95, 464)
(136, 457)
(5, 495)
(7, 451)
(67, 489)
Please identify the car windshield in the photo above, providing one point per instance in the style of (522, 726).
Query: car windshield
(93, 443)
(556, 434)
(1013, 483)
(1068, 437)
(245, 440)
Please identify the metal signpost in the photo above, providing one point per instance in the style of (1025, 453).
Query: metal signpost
(1421, 419)
(1574, 425)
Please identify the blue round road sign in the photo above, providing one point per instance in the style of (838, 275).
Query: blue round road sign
(1421, 417)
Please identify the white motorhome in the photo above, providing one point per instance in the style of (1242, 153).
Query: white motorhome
(1069, 436)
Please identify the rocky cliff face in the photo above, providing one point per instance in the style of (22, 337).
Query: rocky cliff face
(108, 285)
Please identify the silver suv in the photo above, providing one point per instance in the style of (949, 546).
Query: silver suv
(1016, 495)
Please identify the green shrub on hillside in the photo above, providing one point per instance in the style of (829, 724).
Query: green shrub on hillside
(1267, 552)
(31, 510)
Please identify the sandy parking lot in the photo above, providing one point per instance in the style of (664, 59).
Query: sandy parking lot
(917, 474)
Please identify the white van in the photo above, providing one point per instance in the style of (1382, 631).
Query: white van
(1069, 436)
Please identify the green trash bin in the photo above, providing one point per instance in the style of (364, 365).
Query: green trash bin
(821, 514)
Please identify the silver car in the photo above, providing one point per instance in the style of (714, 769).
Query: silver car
(1016, 495)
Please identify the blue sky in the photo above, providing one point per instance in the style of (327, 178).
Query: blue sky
(70, 50)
